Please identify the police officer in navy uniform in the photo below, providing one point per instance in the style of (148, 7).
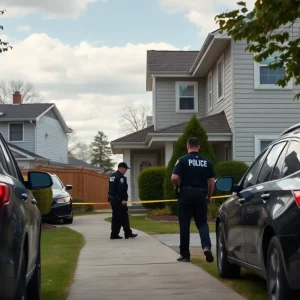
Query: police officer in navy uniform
(193, 179)
(118, 197)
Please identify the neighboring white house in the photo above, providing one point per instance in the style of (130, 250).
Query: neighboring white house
(235, 98)
(37, 134)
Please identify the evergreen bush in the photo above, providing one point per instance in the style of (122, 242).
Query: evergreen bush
(44, 200)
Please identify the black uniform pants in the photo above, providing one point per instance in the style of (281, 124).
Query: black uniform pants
(192, 203)
(120, 219)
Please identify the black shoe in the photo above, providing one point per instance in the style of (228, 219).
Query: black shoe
(182, 259)
(115, 237)
(132, 236)
(208, 254)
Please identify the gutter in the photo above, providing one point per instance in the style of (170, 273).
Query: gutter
(35, 133)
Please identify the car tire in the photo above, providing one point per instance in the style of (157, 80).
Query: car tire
(69, 221)
(21, 287)
(34, 286)
(225, 268)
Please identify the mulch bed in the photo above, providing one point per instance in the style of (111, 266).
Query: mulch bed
(168, 218)
(46, 227)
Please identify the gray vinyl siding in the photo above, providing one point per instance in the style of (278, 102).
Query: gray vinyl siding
(165, 106)
(29, 135)
(55, 145)
(226, 103)
(258, 112)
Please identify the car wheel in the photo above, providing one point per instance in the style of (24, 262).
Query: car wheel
(70, 220)
(34, 286)
(21, 289)
(225, 269)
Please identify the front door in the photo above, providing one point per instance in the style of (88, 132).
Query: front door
(140, 163)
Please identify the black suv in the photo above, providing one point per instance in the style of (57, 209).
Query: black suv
(20, 229)
(258, 227)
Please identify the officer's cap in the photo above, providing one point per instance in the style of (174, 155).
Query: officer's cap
(123, 165)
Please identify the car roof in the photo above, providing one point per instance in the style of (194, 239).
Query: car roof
(293, 130)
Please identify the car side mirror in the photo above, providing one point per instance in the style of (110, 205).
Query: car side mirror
(69, 187)
(39, 180)
(225, 184)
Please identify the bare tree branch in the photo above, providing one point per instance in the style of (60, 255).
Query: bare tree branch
(134, 118)
(27, 90)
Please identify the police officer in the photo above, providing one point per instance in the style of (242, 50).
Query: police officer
(118, 197)
(193, 179)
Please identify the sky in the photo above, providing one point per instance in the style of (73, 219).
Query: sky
(89, 56)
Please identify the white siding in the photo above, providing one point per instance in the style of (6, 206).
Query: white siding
(226, 103)
(258, 112)
(29, 136)
(165, 106)
(52, 141)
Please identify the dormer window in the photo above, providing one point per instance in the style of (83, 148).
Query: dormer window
(16, 132)
(186, 97)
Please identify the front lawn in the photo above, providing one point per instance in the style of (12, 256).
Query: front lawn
(152, 227)
(249, 285)
(60, 251)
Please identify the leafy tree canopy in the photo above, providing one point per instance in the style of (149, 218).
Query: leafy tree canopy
(4, 46)
(270, 29)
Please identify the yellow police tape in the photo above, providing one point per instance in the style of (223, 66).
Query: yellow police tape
(141, 202)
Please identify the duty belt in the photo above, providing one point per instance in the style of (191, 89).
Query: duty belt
(200, 189)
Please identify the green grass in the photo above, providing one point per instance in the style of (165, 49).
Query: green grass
(249, 285)
(60, 251)
(151, 227)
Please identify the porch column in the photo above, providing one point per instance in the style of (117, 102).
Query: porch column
(126, 158)
(168, 152)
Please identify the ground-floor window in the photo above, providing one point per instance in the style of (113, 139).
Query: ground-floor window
(261, 142)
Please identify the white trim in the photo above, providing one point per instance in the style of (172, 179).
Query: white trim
(168, 152)
(210, 91)
(259, 86)
(20, 152)
(44, 112)
(221, 60)
(232, 47)
(177, 97)
(154, 102)
(23, 127)
(259, 138)
(126, 158)
(171, 75)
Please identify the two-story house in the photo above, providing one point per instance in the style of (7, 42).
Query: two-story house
(235, 98)
(37, 134)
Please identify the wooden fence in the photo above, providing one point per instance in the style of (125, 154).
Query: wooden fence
(88, 186)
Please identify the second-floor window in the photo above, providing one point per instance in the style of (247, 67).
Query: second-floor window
(221, 78)
(186, 97)
(16, 132)
(266, 78)
(210, 91)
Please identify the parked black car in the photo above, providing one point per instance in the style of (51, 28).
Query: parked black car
(20, 229)
(61, 202)
(258, 227)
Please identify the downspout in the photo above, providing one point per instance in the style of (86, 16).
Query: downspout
(35, 139)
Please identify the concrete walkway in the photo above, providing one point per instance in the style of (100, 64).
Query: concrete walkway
(136, 269)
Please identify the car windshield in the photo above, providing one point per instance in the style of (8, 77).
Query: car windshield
(56, 183)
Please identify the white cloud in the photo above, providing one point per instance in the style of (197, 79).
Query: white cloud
(51, 9)
(201, 13)
(23, 28)
(89, 84)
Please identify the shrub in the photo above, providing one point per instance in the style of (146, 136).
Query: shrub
(44, 200)
(151, 186)
(192, 129)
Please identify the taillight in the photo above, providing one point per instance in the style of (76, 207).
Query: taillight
(297, 197)
(4, 194)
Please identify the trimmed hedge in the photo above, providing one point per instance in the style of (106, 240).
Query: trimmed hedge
(44, 200)
(192, 129)
(151, 186)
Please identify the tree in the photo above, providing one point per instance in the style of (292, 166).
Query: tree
(27, 90)
(101, 153)
(134, 118)
(4, 46)
(269, 30)
(72, 143)
(82, 152)
(192, 129)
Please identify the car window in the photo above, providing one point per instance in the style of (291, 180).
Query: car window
(279, 165)
(269, 163)
(7, 160)
(57, 185)
(292, 159)
(251, 175)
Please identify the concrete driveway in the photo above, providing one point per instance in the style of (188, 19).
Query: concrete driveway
(136, 269)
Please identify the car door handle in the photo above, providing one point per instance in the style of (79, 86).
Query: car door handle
(265, 196)
(24, 197)
(33, 201)
(242, 201)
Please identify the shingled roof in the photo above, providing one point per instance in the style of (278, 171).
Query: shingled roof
(170, 61)
(22, 150)
(212, 124)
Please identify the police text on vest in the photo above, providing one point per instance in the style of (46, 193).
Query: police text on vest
(198, 163)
